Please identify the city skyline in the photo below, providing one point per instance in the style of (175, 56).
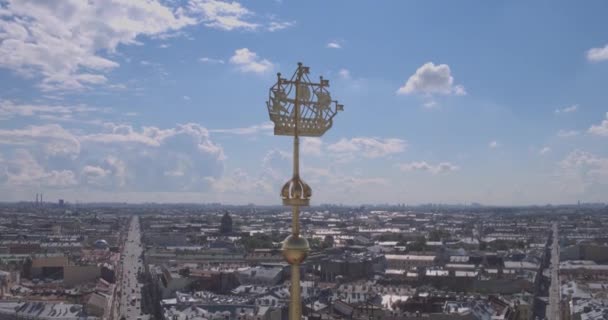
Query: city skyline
(164, 101)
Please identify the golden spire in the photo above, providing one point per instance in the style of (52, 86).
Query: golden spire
(299, 107)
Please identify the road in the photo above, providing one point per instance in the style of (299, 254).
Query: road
(128, 304)
(554, 289)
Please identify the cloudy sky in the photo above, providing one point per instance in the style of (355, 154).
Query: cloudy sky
(445, 101)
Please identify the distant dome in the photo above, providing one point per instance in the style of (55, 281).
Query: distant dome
(101, 244)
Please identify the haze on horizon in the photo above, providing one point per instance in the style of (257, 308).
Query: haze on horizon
(164, 101)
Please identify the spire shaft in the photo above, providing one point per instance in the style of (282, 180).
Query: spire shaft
(308, 113)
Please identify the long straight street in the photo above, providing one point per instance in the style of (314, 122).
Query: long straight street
(554, 289)
(129, 297)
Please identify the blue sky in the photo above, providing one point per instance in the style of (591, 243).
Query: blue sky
(445, 101)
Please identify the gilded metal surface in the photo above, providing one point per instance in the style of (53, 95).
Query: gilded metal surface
(316, 109)
(295, 249)
(295, 303)
(299, 107)
(296, 192)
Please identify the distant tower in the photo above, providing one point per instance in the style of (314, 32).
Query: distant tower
(36, 199)
(299, 107)
(226, 224)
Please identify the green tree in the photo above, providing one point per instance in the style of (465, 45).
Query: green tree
(417, 245)
(328, 242)
(257, 241)
(438, 235)
(483, 246)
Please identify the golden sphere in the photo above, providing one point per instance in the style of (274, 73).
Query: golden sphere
(295, 249)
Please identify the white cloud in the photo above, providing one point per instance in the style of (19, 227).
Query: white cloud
(578, 158)
(280, 25)
(10, 109)
(223, 15)
(567, 133)
(156, 137)
(55, 140)
(239, 182)
(348, 183)
(62, 41)
(459, 90)
(344, 73)
(493, 144)
(23, 170)
(584, 173)
(119, 157)
(118, 172)
(187, 98)
(243, 186)
(569, 109)
(275, 165)
(329, 183)
(232, 15)
(51, 138)
(312, 146)
(94, 171)
(442, 167)
(598, 54)
(367, 147)
(94, 175)
(211, 60)
(431, 104)
(432, 79)
(276, 170)
(265, 127)
(69, 44)
(126, 134)
(600, 129)
(544, 150)
(334, 45)
(248, 61)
